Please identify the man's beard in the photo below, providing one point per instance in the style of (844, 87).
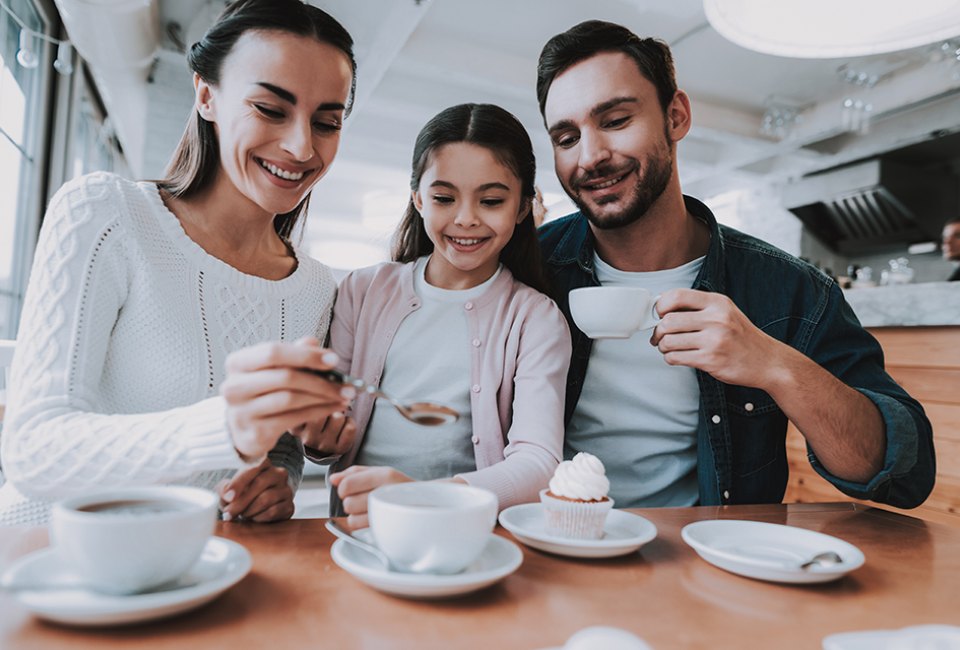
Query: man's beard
(656, 174)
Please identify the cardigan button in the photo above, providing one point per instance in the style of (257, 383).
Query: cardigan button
(476, 440)
(748, 406)
(726, 495)
(476, 343)
(715, 419)
(475, 388)
(468, 306)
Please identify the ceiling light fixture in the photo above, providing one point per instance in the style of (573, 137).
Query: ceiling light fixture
(825, 29)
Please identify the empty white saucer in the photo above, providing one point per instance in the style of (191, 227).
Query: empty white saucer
(623, 533)
(222, 564)
(771, 552)
(500, 558)
(915, 637)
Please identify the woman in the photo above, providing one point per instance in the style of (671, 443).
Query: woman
(140, 291)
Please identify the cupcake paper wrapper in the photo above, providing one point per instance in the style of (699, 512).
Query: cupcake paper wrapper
(575, 519)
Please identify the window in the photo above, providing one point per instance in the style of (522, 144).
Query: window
(23, 103)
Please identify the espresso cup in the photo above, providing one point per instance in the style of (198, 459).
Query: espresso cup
(129, 540)
(613, 312)
(431, 527)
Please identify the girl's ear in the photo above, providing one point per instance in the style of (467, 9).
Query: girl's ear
(203, 93)
(417, 200)
(525, 208)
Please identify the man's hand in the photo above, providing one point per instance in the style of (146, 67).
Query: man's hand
(708, 332)
(260, 494)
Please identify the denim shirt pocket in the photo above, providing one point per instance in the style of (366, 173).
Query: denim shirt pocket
(756, 430)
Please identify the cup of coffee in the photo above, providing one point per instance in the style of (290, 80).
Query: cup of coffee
(613, 312)
(129, 540)
(432, 527)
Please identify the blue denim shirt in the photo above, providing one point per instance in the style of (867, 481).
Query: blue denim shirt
(741, 455)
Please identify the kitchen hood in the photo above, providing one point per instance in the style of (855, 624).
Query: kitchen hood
(874, 206)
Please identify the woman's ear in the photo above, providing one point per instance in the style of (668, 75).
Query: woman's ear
(417, 200)
(203, 98)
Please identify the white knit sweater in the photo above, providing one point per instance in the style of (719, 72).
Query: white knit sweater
(125, 329)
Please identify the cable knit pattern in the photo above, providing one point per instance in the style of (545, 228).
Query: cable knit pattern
(126, 326)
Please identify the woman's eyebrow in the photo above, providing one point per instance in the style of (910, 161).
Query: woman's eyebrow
(289, 97)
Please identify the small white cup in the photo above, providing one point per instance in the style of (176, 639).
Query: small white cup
(129, 540)
(613, 312)
(432, 527)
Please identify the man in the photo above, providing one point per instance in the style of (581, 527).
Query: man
(951, 246)
(696, 412)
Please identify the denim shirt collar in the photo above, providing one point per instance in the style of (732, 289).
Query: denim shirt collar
(578, 246)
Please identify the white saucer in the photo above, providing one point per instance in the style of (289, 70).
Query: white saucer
(917, 636)
(623, 533)
(222, 564)
(770, 552)
(500, 558)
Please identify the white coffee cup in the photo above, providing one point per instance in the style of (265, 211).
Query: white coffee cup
(613, 312)
(432, 526)
(129, 540)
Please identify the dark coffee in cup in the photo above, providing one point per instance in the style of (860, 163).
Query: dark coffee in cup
(135, 507)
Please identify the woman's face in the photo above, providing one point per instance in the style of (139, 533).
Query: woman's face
(277, 111)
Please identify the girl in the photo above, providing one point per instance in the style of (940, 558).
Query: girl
(139, 291)
(458, 318)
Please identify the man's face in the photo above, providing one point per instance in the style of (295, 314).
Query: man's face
(611, 143)
(951, 242)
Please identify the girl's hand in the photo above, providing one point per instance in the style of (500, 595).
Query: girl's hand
(260, 494)
(332, 436)
(354, 485)
(268, 391)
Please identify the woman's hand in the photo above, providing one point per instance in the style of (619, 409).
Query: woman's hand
(354, 485)
(269, 390)
(260, 494)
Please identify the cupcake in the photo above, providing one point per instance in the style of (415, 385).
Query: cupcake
(576, 503)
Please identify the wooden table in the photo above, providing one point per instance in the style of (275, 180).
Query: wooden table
(296, 597)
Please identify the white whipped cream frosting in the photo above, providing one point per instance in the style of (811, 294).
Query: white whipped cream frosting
(581, 478)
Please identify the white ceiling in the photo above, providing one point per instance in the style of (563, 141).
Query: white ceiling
(416, 58)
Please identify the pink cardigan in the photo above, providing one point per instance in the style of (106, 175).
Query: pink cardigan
(519, 355)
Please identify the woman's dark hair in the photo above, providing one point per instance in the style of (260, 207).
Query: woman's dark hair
(592, 37)
(495, 129)
(197, 157)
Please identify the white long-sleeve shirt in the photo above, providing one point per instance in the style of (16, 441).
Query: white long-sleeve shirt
(125, 328)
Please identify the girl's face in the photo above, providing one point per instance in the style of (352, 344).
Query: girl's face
(470, 203)
(277, 111)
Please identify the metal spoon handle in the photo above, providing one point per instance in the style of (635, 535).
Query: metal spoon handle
(349, 380)
(349, 538)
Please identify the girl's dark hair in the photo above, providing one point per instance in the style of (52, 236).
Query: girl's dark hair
(592, 37)
(495, 129)
(197, 157)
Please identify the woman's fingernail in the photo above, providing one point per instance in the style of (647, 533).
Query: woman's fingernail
(337, 415)
(229, 496)
(330, 358)
(227, 516)
(348, 392)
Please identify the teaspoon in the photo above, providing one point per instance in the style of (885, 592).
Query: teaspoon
(422, 413)
(825, 559)
(349, 538)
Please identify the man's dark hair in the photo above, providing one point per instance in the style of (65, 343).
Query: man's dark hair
(593, 37)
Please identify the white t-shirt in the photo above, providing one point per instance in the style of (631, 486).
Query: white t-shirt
(636, 413)
(429, 360)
